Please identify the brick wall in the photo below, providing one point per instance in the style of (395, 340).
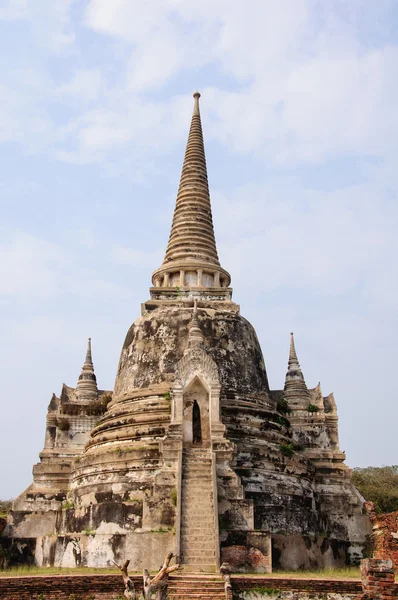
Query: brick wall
(378, 584)
(84, 587)
(378, 579)
(107, 587)
(385, 536)
(315, 586)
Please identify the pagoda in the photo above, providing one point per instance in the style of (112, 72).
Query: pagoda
(192, 452)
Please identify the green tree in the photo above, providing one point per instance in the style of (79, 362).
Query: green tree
(5, 506)
(379, 485)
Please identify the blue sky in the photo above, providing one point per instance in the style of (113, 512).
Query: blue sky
(299, 114)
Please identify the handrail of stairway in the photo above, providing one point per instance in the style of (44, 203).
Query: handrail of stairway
(215, 505)
(179, 503)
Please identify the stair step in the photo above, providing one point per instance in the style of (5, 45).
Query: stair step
(188, 529)
(193, 587)
(198, 485)
(202, 474)
(200, 555)
(188, 534)
(205, 522)
(205, 568)
(205, 578)
(207, 543)
(189, 592)
(193, 504)
(212, 592)
(202, 538)
(194, 511)
(199, 476)
(198, 545)
(193, 476)
(193, 493)
(197, 460)
(198, 515)
(186, 526)
(211, 596)
(198, 499)
(193, 457)
(200, 464)
(190, 539)
(195, 501)
(196, 556)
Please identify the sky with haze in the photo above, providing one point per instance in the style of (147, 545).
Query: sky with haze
(299, 112)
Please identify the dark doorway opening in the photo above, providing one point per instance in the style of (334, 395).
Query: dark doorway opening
(196, 424)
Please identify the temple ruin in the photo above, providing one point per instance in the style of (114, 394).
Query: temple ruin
(192, 452)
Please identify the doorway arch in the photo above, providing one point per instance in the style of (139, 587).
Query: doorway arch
(196, 424)
(196, 417)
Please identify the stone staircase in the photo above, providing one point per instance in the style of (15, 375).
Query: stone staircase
(206, 587)
(198, 537)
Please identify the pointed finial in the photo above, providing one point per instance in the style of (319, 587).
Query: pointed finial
(195, 336)
(86, 388)
(196, 95)
(295, 386)
(88, 353)
(292, 353)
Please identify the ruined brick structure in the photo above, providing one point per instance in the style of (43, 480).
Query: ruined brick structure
(192, 452)
(377, 584)
(384, 539)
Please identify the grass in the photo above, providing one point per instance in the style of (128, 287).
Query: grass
(342, 573)
(33, 571)
(335, 573)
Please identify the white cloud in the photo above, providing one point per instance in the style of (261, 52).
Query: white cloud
(149, 261)
(323, 242)
(14, 9)
(310, 89)
(85, 85)
(29, 267)
(33, 269)
(300, 85)
(49, 20)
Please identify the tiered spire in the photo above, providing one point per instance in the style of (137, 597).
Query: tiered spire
(195, 335)
(191, 259)
(295, 386)
(293, 363)
(192, 233)
(86, 388)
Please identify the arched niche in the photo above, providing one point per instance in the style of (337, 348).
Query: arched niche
(196, 416)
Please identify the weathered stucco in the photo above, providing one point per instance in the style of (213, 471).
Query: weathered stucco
(117, 469)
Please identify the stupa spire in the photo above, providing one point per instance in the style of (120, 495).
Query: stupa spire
(86, 388)
(195, 335)
(89, 358)
(293, 361)
(295, 386)
(191, 259)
